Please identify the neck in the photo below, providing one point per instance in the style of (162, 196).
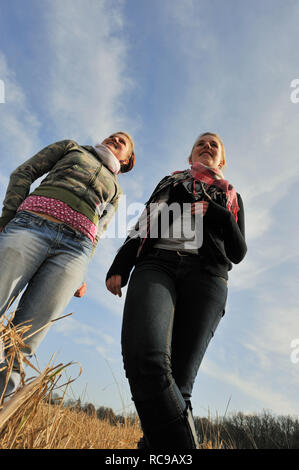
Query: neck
(108, 157)
(198, 167)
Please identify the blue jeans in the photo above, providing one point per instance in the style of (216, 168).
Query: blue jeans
(51, 259)
(172, 310)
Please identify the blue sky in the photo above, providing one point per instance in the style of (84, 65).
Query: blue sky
(166, 71)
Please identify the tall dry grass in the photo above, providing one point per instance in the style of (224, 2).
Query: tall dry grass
(28, 420)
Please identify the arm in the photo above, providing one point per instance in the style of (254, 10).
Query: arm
(22, 178)
(233, 232)
(125, 258)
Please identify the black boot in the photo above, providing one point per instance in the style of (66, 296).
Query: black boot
(143, 443)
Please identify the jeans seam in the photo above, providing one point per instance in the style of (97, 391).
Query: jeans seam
(178, 407)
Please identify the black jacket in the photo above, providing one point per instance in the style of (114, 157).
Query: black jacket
(223, 236)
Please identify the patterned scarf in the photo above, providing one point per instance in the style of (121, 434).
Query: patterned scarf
(214, 177)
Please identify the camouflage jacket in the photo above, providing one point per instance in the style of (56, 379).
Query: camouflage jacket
(75, 175)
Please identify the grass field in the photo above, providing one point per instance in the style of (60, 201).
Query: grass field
(31, 419)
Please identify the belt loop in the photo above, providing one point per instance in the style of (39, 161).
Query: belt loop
(39, 220)
(181, 254)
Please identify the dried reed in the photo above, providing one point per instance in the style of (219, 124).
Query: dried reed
(28, 420)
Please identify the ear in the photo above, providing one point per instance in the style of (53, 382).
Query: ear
(124, 162)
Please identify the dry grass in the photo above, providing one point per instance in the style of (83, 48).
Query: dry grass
(54, 427)
(29, 421)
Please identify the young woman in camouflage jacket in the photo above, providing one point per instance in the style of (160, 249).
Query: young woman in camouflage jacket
(48, 236)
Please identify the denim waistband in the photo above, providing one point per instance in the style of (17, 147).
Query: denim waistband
(61, 226)
(179, 255)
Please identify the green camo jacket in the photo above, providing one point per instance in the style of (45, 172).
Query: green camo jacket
(75, 175)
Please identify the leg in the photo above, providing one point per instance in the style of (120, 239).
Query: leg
(200, 306)
(146, 345)
(53, 284)
(49, 292)
(22, 251)
(147, 331)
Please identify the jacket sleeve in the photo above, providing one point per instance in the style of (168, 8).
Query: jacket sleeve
(32, 169)
(233, 231)
(124, 260)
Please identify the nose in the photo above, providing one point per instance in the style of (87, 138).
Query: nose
(115, 139)
(207, 144)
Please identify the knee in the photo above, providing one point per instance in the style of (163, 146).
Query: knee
(152, 370)
(145, 387)
(149, 372)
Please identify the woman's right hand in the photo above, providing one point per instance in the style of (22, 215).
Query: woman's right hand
(113, 284)
(1, 228)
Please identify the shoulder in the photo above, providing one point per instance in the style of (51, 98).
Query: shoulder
(174, 176)
(240, 204)
(66, 143)
(240, 200)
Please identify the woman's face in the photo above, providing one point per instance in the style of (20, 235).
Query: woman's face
(119, 145)
(207, 150)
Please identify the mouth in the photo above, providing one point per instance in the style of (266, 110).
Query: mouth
(206, 152)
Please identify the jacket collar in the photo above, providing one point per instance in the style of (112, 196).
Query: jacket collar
(91, 149)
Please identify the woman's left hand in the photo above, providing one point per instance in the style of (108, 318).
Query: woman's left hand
(199, 207)
(81, 291)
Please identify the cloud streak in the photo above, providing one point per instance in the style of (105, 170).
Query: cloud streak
(90, 82)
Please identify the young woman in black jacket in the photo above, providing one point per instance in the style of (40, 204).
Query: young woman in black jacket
(178, 290)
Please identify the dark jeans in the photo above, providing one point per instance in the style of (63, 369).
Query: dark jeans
(172, 310)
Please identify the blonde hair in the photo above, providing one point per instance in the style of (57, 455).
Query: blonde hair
(223, 161)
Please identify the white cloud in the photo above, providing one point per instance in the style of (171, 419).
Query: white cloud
(19, 123)
(274, 400)
(90, 81)
(83, 333)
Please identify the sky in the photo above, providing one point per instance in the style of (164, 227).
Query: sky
(166, 71)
